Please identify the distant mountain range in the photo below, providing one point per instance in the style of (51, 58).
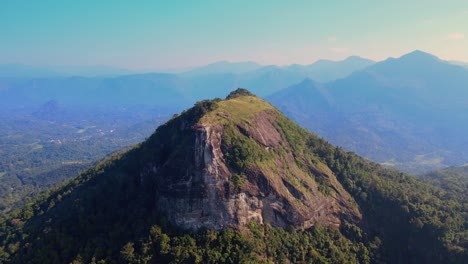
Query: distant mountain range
(24, 85)
(27, 71)
(327, 70)
(408, 113)
(460, 63)
(219, 78)
(322, 70)
(154, 89)
(224, 67)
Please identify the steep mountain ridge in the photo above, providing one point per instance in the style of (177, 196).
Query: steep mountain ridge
(220, 186)
(236, 163)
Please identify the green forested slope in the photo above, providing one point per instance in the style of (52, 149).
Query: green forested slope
(105, 215)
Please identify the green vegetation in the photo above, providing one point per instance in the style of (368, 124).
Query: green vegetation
(239, 93)
(108, 215)
(36, 146)
(453, 180)
(241, 152)
(258, 244)
(121, 232)
(36, 153)
(236, 110)
(237, 182)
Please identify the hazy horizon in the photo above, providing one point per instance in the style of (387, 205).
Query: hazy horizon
(186, 34)
(188, 68)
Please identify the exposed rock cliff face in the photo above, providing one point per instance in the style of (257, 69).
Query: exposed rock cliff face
(199, 184)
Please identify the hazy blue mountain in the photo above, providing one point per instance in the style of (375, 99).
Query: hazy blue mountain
(20, 70)
(27, 71)
(408, 112)
(49, 110)
(327, 70)
(23, 85)
(224, 67)
(460, 63)
(322, 70)
(263, 82)
(92, 70)
(267, 80)
(162, 90)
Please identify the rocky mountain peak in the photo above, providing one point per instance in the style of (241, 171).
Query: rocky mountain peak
(239, 161)
(239, 92)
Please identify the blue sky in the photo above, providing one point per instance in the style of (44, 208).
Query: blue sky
(168, 34)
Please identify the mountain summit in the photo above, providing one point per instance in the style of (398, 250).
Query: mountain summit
(419, 55)
(230, 162)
